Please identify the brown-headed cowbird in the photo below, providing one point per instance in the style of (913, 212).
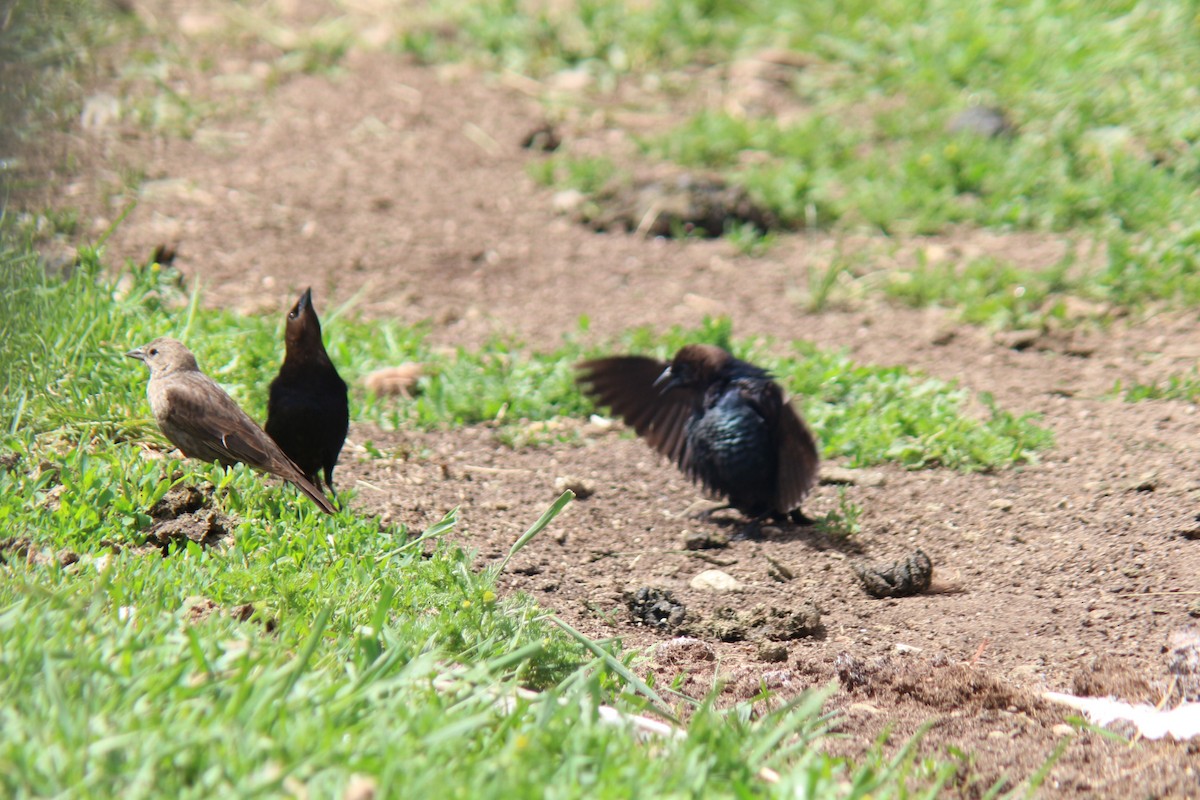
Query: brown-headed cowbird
(204, 422)
(307, 410)
(722, 420)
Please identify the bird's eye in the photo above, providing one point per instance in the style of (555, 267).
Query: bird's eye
(292, 314)
(153, 351)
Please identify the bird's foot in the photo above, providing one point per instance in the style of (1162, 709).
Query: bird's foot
(798, 517)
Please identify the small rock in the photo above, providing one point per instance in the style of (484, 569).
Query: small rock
(943, 334)
(568, 201)
(400, 380)
(100, 111)
(1001, 504)
(772, 652)
(1148, 482)
(778, 570)
(542, 139)
(360, 787)
(1062, 729)
(704, 540)
(841, 476)
(906, 649)
(582, 488)
(1018, 339)
(986, 122)
(714, 580)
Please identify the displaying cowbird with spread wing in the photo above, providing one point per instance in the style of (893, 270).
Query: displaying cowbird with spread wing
(307, 411)
(204, 422)
(722, 420)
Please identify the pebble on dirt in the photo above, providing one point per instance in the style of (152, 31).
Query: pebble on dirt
(582, 487)
(714, 580)
(400, 380)
(704, 540)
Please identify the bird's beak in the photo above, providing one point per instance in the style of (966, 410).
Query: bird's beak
(137, 353)
(305, 301)
(666, 382)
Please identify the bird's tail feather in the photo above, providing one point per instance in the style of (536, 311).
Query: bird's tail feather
(314, 493)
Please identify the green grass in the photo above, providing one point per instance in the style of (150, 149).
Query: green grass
(1102, 96)
(1179, 386)
(866, 414)
(368, 652)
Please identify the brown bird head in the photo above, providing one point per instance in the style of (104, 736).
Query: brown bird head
(695, 366)
(303, 334)
(165, 356)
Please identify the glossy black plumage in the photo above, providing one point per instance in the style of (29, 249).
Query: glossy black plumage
(308, 412)
(204, 422)
(722, 420)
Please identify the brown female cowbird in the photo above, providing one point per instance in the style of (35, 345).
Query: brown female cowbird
(307, 411)
(204, 422)
(722, 420)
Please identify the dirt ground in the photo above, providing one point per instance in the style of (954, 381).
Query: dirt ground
(403, 187)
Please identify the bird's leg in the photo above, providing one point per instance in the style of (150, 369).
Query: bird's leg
(337, 500)
(798, 517)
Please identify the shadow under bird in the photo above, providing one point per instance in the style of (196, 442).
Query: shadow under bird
(722, 420)
(308, 412)
(205, 423)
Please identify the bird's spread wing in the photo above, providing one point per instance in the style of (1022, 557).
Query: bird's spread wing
(626, 385)
(798, 458)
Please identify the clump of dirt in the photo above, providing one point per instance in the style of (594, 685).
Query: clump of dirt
(705, 540)
(199, 608)
(904, 578)
(1105, 676)
(760, 623)
(545, 138)
(684, 205)
(186, 499)
(205, 528)
(655, 608)
(14, 548)
(959, 686)
(183, 515)
(985, 122)
(1183, 661)
(21, 548)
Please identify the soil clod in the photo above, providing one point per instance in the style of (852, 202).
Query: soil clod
(655, 608)
(181, 500)
(904, 578)
(206, 528)
(686, 205)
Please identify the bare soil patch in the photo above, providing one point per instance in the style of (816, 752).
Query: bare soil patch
(405, 187)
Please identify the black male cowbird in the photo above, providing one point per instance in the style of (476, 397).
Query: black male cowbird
(307, 411)
(204, 422)
(722, 420)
